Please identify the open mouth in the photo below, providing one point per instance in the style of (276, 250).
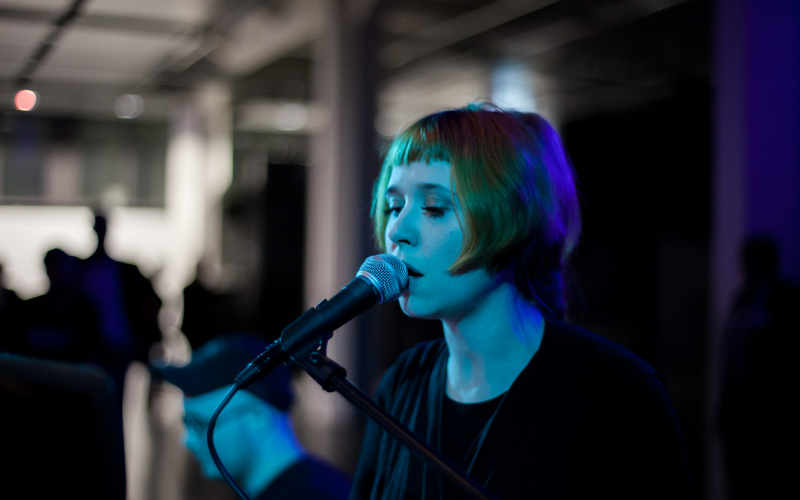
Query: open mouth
(413, 272)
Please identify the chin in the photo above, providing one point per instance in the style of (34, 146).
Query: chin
(412, 306)
(403, 303)
(212, 472)
(408, 307)
(412, 309)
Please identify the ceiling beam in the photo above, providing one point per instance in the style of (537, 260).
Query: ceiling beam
(46, 45)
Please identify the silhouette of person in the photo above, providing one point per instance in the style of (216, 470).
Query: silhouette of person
(10, 327)
(756, 413)
(62, 323)
(127, 307)
(254, 435)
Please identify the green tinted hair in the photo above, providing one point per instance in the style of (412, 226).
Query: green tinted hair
(515, 185)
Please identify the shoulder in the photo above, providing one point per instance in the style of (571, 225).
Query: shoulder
(610, 383)
(607, 413)
(630, 423)
(312, 479)
(592, 351)
(581, 370)
(326, 476)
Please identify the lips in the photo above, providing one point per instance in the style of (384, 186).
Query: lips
(412, 272)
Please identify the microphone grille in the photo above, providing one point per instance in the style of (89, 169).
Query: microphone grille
(387, 273)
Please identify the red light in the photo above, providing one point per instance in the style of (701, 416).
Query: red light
(25, 100)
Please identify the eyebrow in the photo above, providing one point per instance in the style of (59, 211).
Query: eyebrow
(422, 187)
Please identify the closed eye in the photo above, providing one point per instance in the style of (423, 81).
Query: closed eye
(392, 210)
(435, 212)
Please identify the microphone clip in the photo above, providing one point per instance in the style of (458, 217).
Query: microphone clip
(322, 369)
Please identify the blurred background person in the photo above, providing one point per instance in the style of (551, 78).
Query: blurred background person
(9, 316)
(254, 435)
(62, 324)
(756, 415)
(127, 307)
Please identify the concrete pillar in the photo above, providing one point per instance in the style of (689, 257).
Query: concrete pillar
(198, 172)
(343, 167)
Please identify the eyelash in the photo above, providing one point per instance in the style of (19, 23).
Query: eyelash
(434, 212)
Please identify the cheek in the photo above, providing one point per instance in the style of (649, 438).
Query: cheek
(387, 242)
(449, 245)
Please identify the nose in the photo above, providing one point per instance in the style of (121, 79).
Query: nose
(402, 229)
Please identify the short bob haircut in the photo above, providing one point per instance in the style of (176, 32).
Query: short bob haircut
(515, 184)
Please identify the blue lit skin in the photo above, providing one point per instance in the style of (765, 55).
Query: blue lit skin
(423, 230)
(491, 330)
(233, 435)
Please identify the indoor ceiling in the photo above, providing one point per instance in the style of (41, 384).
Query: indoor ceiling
(585, 56)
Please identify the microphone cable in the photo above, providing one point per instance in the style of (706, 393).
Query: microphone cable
(210, 438)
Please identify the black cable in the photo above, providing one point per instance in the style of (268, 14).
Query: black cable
(210, 438)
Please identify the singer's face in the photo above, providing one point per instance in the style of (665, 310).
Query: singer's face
(423, 231)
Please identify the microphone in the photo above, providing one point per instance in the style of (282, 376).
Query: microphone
(381, 278)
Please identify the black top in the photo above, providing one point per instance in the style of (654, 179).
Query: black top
(465, 422)
(585, 418)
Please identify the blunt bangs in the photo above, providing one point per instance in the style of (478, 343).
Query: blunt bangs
(420, 142)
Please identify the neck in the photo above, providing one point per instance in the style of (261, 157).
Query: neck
(274, 455)
(100, 252)
(490, 348)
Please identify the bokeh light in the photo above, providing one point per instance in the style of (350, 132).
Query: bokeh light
(291, 117)
(129, 106)
(26, 100)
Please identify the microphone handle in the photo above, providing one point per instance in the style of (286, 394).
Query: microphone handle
(304, 334)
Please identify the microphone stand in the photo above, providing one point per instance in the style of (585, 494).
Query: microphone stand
(333, 377)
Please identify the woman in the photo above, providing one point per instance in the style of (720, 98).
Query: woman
(481, 206)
